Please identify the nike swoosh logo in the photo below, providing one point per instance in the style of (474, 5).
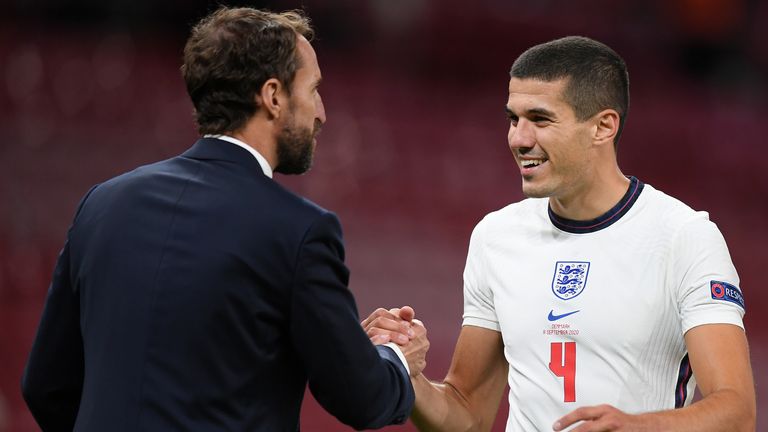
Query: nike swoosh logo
(553, 317)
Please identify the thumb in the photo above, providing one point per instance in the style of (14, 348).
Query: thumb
(407, 313)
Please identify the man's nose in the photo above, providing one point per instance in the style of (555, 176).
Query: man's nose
(521, 135)
(320, 110)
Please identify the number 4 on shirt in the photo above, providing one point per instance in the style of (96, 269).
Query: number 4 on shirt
(564, 366)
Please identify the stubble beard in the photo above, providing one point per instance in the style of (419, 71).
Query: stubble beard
(535, 191)
(295, 149)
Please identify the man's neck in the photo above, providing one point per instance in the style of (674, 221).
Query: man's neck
(260, 139)
(592, 200)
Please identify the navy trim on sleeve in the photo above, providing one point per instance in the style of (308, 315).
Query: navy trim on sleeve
(681, 387)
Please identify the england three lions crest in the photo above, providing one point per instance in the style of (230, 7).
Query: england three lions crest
(570, 278)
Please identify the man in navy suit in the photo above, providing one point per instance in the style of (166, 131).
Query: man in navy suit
(196, 294)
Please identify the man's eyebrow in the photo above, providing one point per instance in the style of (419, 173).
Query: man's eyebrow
(540, 112)
(532, 112)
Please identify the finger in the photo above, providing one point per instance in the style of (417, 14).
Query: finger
(407, 313)
(396, 337)
(395, 325)
(380, 312)
(380, 339)
(418, 328)
(601, 424)
(375, 314)
(399, 331)
(579, 414)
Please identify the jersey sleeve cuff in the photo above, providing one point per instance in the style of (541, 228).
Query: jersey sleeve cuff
(724, 317)
(481, 322)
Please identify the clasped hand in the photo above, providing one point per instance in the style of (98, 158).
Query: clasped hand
(399, 326)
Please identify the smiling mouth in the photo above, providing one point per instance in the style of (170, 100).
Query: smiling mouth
(532, 163)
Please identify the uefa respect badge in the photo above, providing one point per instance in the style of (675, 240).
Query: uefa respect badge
(726, 292)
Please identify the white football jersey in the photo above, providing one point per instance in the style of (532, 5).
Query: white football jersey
(595, 312)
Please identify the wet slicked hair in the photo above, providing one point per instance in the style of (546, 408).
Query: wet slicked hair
(231, 54)
(597, 76)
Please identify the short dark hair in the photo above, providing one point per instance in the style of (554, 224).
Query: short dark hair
(597, 76)
(229, 56)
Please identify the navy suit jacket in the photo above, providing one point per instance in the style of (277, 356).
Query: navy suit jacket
(196, 294)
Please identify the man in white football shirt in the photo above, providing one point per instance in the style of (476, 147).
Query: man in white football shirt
(601, 299)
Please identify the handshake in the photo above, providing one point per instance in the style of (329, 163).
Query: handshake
(399, 326)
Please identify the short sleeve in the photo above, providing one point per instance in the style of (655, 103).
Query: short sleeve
(479, 309)
(709, 291)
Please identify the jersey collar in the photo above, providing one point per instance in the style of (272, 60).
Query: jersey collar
(605, 220)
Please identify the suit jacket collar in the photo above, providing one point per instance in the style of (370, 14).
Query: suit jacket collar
(216, 149)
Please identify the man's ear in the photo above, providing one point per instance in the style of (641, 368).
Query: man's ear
(272, 98)
(606, 126)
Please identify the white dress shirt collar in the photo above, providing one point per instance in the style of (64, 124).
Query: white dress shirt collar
(262, 161)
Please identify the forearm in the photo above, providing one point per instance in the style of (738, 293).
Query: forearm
(721, 411)
(720, 360)
(439, 407)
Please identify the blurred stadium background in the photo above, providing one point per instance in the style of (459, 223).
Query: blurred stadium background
(414, 152)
